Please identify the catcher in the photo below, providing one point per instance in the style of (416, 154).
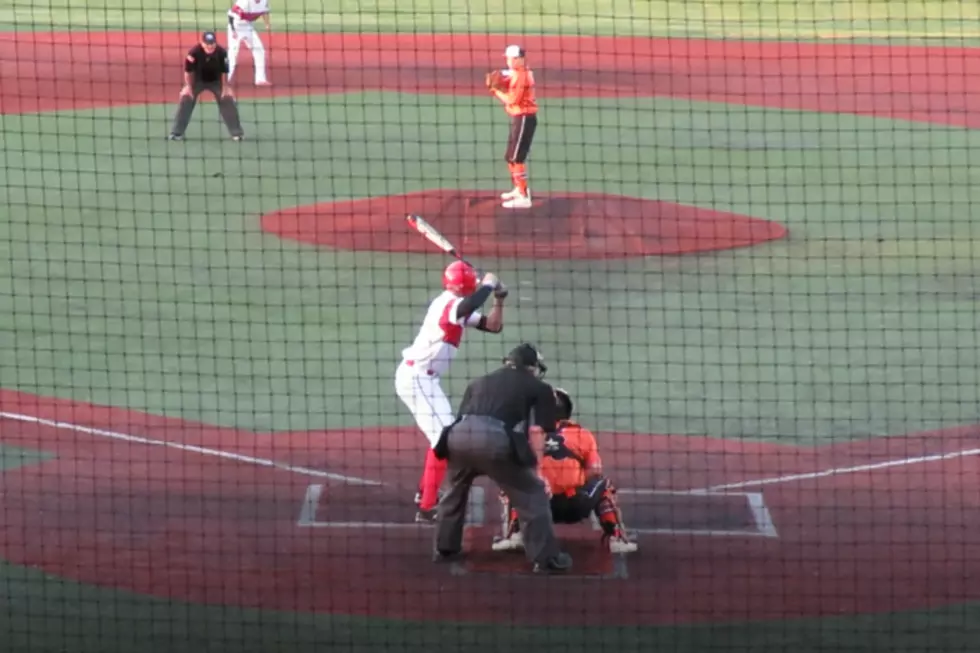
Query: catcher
(572, 470)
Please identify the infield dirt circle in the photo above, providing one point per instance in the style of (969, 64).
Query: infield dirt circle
(558, 226)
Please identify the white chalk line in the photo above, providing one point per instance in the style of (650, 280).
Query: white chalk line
(762, 519)
(841, 471)
(206, 451)
(475, 513)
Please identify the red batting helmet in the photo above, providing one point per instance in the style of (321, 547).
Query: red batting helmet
(459, 278)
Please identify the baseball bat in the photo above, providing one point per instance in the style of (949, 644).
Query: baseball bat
(430, 233)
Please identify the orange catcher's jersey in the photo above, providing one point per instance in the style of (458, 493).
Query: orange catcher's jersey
(568, 454)
(520, 93)
(441, 333)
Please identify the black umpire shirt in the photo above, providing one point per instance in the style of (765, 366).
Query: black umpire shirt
(512, 396)
(206, 68)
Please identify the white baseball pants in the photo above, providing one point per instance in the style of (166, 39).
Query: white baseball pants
(424, 397)
(244, 32)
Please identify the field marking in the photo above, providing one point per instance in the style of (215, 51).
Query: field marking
(761, 515)
(475, 512)
(764, 525)
(217, 453)
(841, 471)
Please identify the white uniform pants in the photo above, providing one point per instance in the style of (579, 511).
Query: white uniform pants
(245, 33)
(424, 397)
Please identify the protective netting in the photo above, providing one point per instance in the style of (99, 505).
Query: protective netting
(740, 234)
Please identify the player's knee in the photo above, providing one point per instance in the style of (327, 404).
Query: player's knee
(596, 486)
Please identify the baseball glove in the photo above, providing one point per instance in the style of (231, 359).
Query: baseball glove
(495, 81)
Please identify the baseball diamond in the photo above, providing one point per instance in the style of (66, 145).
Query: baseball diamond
(742, 240)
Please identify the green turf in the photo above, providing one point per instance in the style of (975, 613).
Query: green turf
(152, 294)
(14, 457)
(43, 614)
(769, 19)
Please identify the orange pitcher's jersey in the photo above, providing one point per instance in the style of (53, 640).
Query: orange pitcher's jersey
(520, 93)
(567, 456)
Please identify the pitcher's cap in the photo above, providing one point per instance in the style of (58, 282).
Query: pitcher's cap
(514, 51)
(209, 38)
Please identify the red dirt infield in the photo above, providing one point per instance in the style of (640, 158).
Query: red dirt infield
(558, 226)
(191, 512)
(42, 71)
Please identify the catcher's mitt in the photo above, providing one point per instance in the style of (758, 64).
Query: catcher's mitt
(495, 81)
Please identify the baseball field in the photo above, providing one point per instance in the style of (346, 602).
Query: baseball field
(752, 261)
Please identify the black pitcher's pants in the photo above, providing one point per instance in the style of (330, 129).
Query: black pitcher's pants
(522, 130)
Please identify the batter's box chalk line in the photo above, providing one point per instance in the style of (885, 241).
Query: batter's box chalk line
(475, 513)
(763, 525)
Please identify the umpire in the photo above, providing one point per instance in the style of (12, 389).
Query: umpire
(206, 69)
(499, 416)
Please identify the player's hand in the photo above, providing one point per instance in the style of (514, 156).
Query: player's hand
(490, 279)
(500, 292)
(227, 92)
(186, 91)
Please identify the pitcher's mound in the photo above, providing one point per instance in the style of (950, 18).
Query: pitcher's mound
(558, 226)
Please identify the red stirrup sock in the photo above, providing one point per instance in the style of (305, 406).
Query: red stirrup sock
(435, 472)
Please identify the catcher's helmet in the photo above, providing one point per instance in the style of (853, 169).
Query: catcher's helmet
(527, 355)
(459, 278)
(565, 404)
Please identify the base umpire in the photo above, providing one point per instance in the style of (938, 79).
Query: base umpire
(206, 69)
(499, 417)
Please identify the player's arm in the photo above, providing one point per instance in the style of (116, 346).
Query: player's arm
(267, 21)
(516, 91)
(225, 86)
(590, 454)
(545, 421)
(493, 322)
(468, 306)
(189, 62)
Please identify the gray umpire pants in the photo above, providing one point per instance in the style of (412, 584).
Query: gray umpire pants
(226, 106)
(479, 446)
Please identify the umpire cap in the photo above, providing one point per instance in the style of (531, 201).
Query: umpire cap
(209, 38)
(527, 355)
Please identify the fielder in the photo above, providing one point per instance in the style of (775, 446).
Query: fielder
(572, 470)
(515, 89)
(430, 356)
(241, 29)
